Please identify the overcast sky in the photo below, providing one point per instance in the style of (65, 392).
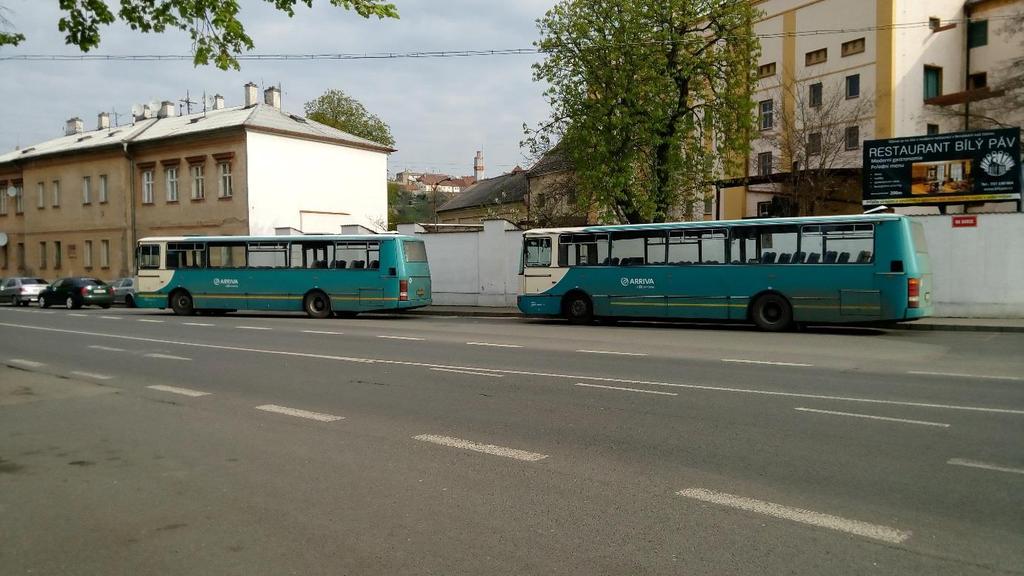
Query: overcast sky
(440, 110)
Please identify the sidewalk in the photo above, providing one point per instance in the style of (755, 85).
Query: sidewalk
(935, 323)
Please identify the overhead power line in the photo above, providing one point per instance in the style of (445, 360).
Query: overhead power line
(451, 53)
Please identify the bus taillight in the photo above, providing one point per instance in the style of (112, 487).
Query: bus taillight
(913, 292)
(403, 290)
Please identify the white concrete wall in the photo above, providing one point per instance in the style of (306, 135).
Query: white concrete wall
(473, 268)
(977, 271)
(313, 186)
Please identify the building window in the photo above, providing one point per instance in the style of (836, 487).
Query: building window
(226, 189)
(19, 198)
(172, 184)
(853, 86)
(147, 187)
(3, 198)
(104, 253)
(3, 256)
(977, 81)
(814, 95)
(767, 114)
(814, 144)
(764, 164)
(766, 70)
(103, 189)
(56, 194)
(40, 195)
(977, 33)
(932, 82)
(852, 137)
(198, 182)
(57, 255)
(87, 254)
(934, 23)
(816, 57)
(86, 190)
(853, 47)
(933, 129)
(42, 255)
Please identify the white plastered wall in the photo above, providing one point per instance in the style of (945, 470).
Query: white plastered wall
(313, 186)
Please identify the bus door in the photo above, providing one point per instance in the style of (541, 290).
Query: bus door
(538, 273)
(361, 261)
(266, 287)
(697, 286)
(414, 268)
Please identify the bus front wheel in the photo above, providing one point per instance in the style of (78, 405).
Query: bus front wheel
(578, 309)
(772, 312)
(317, 305)
(181, 303)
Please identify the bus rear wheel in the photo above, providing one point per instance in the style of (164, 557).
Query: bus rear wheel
(181, 303)
(317, 305)
(578, 309)
(772, 313)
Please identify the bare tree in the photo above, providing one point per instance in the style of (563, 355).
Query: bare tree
(816, 140)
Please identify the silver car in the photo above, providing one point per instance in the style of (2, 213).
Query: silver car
(124, 291)
(21, 291)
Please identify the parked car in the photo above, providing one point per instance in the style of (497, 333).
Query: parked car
(18, 291)
(76, 292)
(124, 291)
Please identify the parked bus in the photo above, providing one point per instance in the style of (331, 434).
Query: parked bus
(320, 275)
(774, 272)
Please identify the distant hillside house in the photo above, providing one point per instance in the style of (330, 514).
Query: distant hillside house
(77, 204)
(499, 197)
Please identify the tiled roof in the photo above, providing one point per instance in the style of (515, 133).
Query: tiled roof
(258, 117)
(504, 189)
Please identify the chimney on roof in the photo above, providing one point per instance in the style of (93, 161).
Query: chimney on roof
(478, 166)
(103, 121)
(74, 126)
(250, 95)
(272, 97)
(166, 109)
(143, 113)
(218, 102)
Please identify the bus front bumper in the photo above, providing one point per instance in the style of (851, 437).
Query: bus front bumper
(539, 305)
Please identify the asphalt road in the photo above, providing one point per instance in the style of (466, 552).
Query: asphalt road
(137, 442)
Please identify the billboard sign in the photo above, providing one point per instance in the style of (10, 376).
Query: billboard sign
(981, 166)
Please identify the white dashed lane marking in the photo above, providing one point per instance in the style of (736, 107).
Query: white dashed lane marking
(151, 320)
(111, 317)
(492, 375)
(167, 357)
(957, 375)
(494, 345)
(26, 363)
(107, 348)
(872, 417)
(484, 448)
(400, 337)
(611, 352)
(809, 517)
(197, 324)
(92, 375)
(299, 413)
(252, 328)
(765, 362)
(324, 332)
(77, 314)
(984, 465)
(176, 390)
(627, 389)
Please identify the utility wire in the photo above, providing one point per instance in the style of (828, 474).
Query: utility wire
(453, 53)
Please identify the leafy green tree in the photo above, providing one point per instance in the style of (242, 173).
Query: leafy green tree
(650, 98)
(337, 109)
(217, 33)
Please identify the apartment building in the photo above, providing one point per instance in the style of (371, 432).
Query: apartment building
(77, 204)
(833, 73)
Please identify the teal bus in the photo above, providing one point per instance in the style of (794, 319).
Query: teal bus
(318, 274)
(774, 272)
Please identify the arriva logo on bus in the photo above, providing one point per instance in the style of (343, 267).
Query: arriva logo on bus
(638, 282)
(226, 282)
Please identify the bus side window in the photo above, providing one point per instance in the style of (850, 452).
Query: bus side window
(227, 255)
(743, 247)
(812, 243)
(537, 252)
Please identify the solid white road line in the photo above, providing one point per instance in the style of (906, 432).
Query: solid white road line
(151, 320)
(167, 357)
(77, 314)
(627, 389)
(741, 361)
(252, 328)
(494, 345)
(107, 348)
(983, 465)
(91, 375)
(111, 317)
(400, 337)
(485, 448)
(887, 419)
(176, 390)
(197, 324)
(299, 413)
(956, 375)
(612, 352)
(327, 332)
(873, 531)
(491, 374)
(702, 387)
(26, 363)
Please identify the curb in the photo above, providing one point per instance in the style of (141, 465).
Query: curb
(464, 313)
(960, 328)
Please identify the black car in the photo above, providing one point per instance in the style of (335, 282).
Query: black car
(77, 292)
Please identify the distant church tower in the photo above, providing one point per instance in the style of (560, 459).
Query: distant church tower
(478, 166)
